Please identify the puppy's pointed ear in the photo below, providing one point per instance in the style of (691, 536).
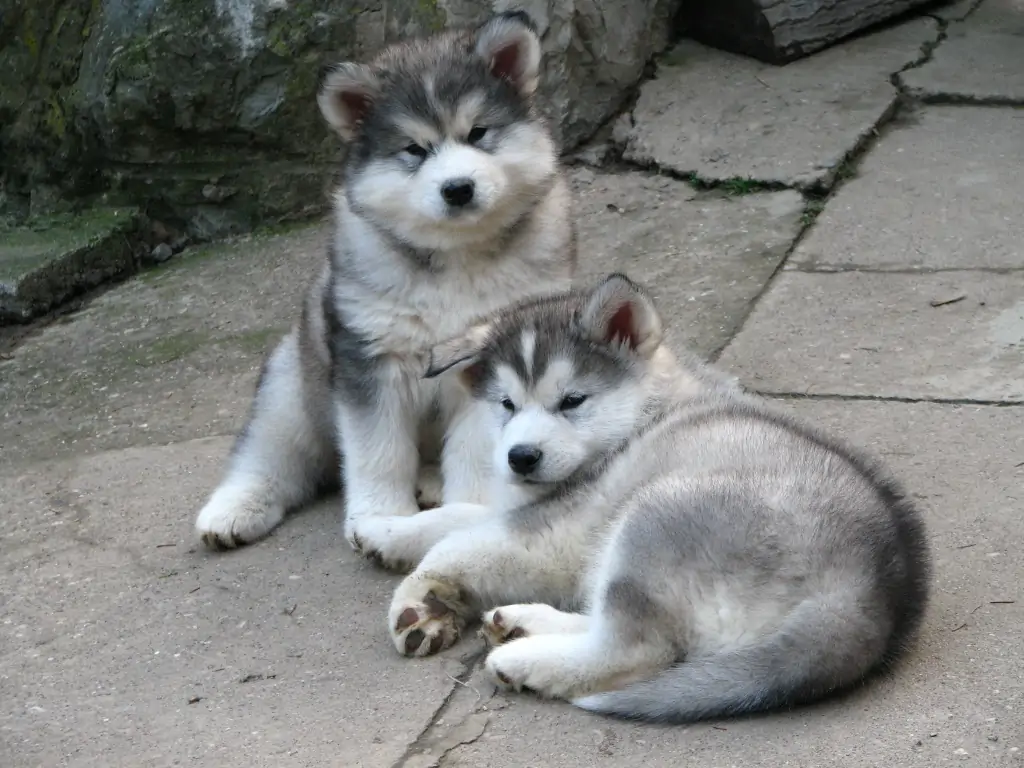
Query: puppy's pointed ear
(347, 92)
(620, 313)
(510, 45)
(461, 353)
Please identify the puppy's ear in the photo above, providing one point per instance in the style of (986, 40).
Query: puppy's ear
(510, 45)
(461, 353)
(621, 314)
(346, 95)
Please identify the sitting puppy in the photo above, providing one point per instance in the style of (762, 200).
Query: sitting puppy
(662, 545)
(452, 205)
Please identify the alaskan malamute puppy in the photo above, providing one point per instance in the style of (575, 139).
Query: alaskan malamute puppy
(661, 545)
(452, 205)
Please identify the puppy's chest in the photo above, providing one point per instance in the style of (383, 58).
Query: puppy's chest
(432, 310)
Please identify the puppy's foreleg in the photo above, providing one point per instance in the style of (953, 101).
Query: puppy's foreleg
(280, 459)
(400, 543)
(466, 457)
(379, 445)
(471, 570)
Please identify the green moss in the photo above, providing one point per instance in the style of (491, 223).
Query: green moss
(31, 43)
(256, 342)
(166, 349)
(741, 186)
(434, 19)
(43, 239)
(131, 61)
(176, 346)
(55, 118)
(812, 209)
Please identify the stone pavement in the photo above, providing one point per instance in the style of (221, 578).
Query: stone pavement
(881, 295)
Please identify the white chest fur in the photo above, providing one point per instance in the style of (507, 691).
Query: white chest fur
(402, 309)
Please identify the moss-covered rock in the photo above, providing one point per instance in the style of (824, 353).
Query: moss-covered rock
(62, 255)
(155, 101)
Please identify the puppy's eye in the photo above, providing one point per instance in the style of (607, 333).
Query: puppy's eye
(508, 405)
(416, 151)
(571, 401)
(476, 134)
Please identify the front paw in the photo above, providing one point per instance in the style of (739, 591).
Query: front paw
(371, 537)
(527, 664)
(500, 626)
(426, 617)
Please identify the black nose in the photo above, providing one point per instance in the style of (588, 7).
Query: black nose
(458, 192)
(524, 458)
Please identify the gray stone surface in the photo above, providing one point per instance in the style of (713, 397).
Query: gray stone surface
(722, 116)
(895, 214)
(189, 338)
(878, 334)
(705, 256)
(40, 268)
(778, 31)
(981, 59)
(958, 10)
(112, 626)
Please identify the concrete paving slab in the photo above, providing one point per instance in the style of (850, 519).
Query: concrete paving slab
(173, 354)
(956, 699)
(722, 116)
(123, 645)
(897, 215)
(113, 623)
(954, 11)
(704, 256)
(951, 335)
(42, 266)
(981, 59)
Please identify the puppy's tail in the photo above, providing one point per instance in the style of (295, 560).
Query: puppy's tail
(820, 649)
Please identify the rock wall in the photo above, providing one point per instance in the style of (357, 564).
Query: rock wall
(203, 111)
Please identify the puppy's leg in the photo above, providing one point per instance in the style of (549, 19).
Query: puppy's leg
(511, 622)
(630, 634)
(379, 443)
(400, 543)
(466, 457)
(623, 642)
(473, 569)
(280, 459)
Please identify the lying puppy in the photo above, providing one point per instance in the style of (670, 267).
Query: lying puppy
(669, 548)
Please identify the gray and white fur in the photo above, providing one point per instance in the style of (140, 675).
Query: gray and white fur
(660, 545)
(452, 204)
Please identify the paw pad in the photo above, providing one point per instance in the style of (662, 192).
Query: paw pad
(426, 628)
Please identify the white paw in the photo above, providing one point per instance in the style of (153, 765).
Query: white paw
(374, 538)
(510, 622)
(426, 616)
(531, 663)
(236, 515)
(429, 486)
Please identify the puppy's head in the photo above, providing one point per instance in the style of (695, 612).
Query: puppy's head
(564, 376)
(445, 146)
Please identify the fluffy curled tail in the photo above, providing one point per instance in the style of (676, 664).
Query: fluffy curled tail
(820, 649)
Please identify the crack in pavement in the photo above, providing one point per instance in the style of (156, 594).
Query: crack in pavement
(433, 744)
(818, 268)
(834, 396)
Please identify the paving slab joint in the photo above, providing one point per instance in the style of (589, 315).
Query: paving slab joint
(946, 99)
(838, 397)
(422, 752)
(815, 200)
(927, 52)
